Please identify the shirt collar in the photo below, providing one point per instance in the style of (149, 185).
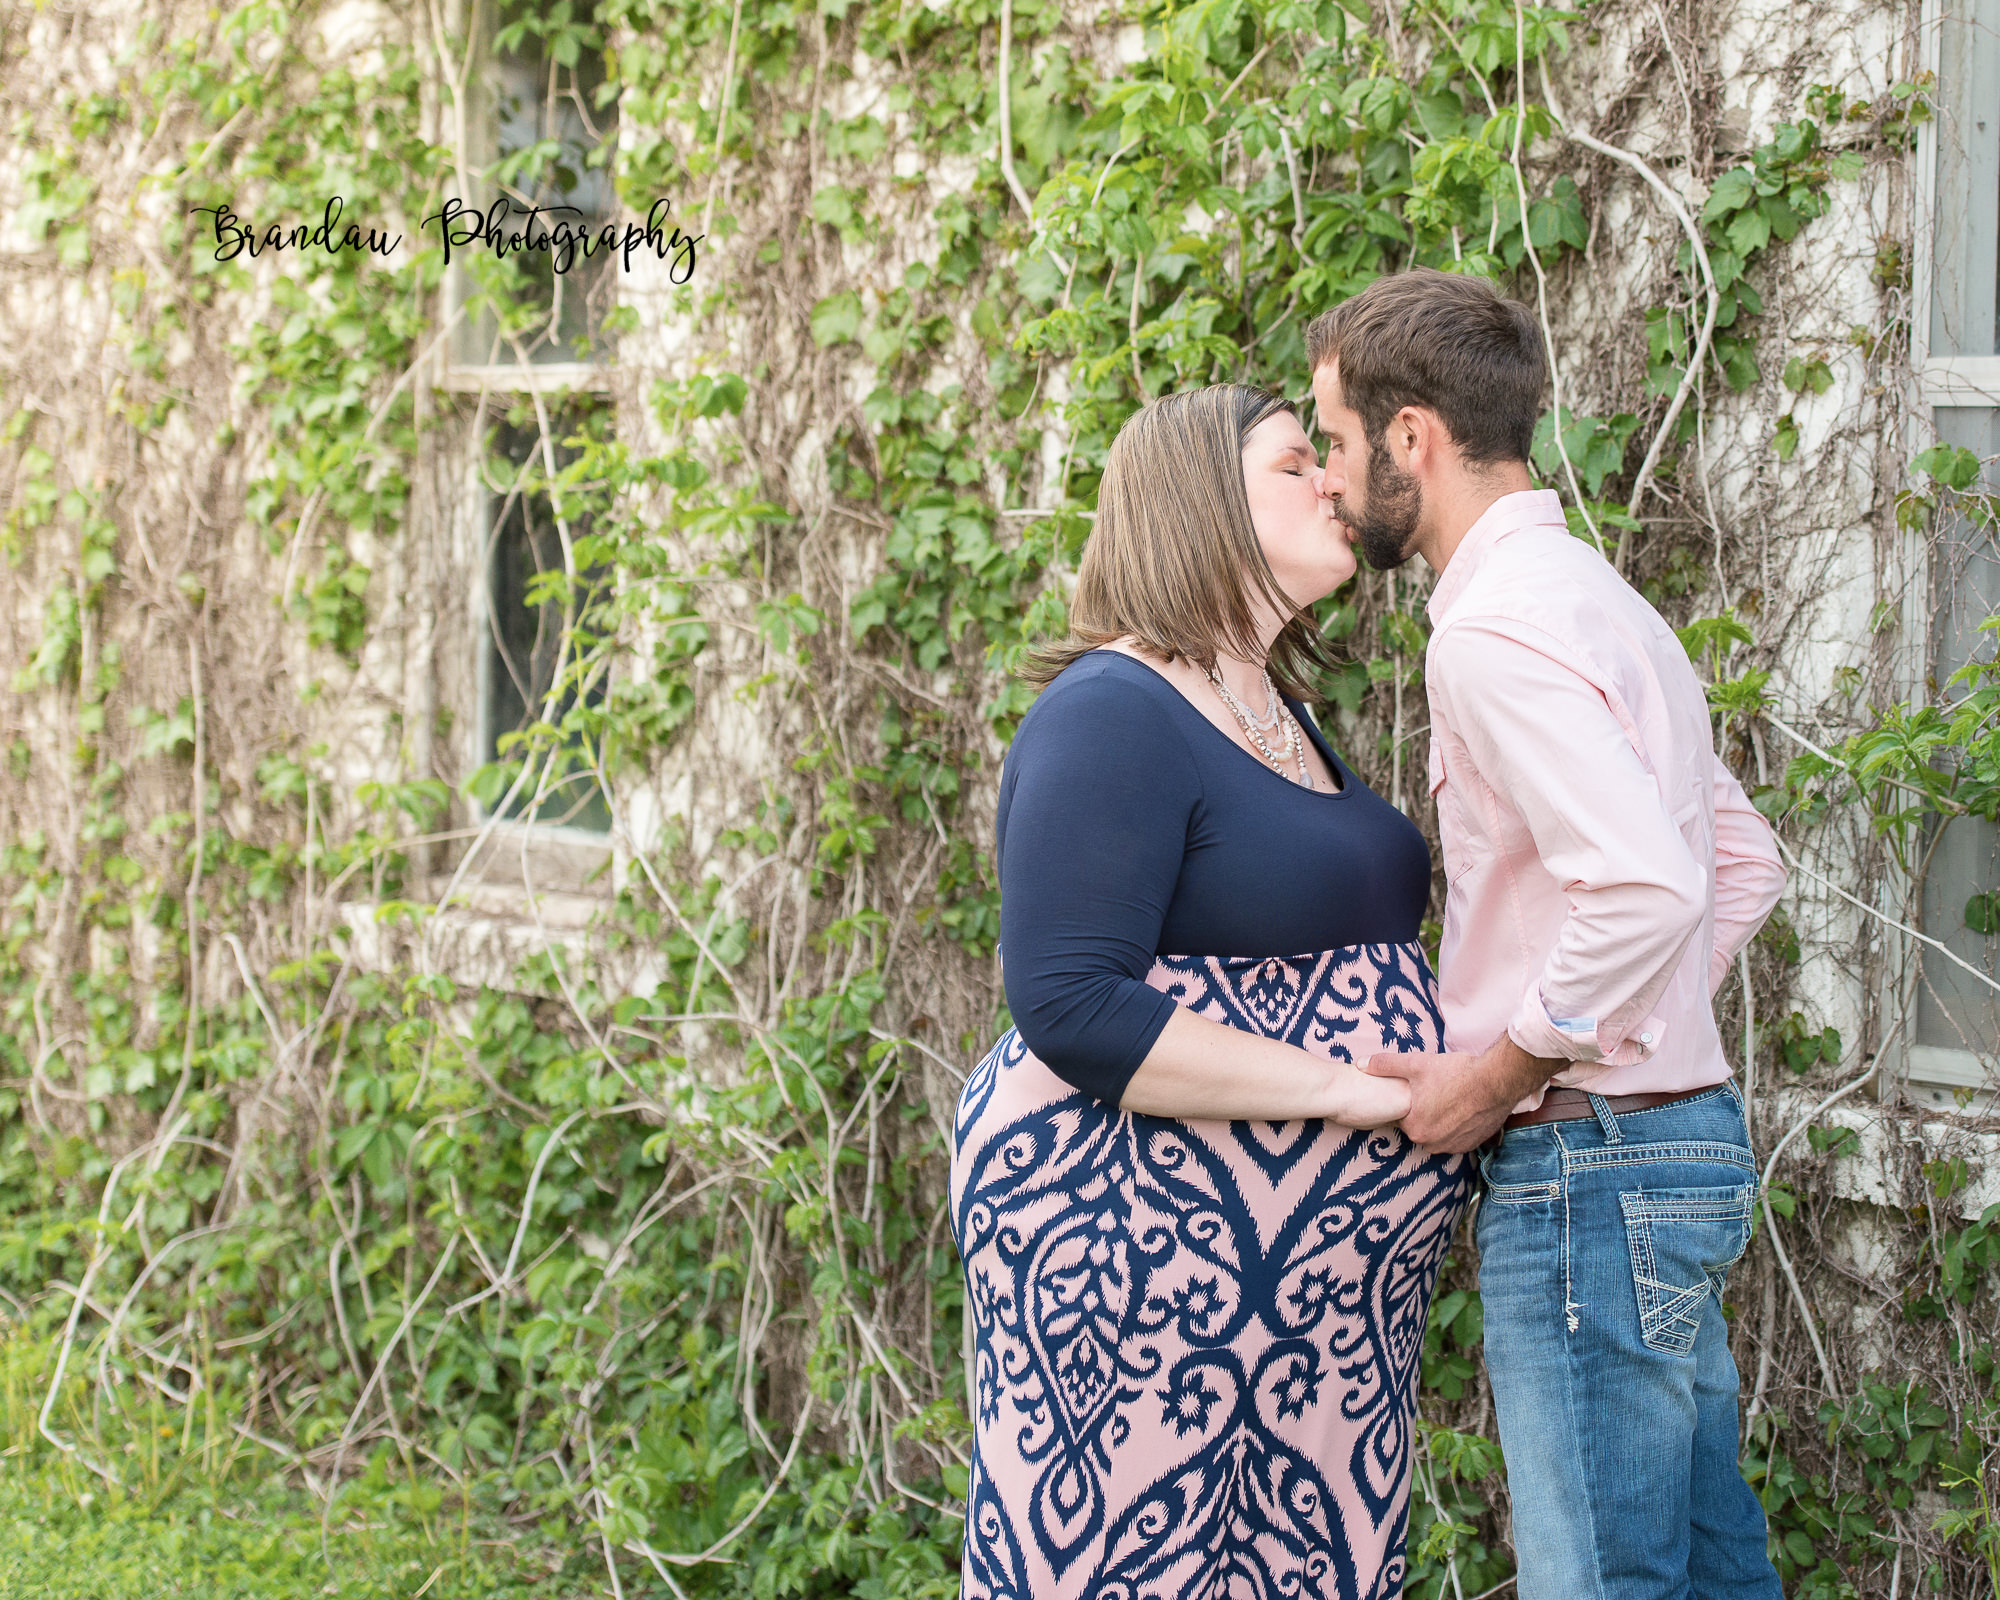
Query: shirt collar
(1525, 508)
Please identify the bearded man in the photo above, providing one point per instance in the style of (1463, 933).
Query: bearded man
(1603, 869)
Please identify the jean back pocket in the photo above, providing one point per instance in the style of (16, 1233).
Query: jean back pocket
(1683, 1243)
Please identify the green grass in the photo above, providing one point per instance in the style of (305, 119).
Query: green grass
(64, 1536)
(201, 1512)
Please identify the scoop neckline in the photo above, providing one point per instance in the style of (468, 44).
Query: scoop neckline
(1306, 724)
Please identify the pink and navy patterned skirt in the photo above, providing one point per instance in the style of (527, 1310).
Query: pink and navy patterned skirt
(1196, 1344)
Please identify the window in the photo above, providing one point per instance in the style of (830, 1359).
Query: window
(1956, 1019)
(533, 321)
(525, 622)
(1965, 270)
(541, 144)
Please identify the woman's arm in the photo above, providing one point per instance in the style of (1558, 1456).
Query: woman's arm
(1093, 822)
(1094, 812)
(1199, 1068)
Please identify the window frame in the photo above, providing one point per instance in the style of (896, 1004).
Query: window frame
(544, 856)
(1933, 1075)
(487, 675)
(459, 376)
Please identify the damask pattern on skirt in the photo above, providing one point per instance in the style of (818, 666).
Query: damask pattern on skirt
(1196, 1344)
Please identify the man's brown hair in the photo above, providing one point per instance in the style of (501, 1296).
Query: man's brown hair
(1445, 341)
(1174, 561)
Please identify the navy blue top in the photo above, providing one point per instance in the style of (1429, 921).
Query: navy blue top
(1130, 827)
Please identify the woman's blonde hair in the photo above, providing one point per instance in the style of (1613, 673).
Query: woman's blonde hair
(1174, 561)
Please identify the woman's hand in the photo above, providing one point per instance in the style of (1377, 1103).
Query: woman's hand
(1365, 1102)
(1459, 1101)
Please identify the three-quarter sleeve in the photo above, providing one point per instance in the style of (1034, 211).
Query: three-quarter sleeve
(1095, 808)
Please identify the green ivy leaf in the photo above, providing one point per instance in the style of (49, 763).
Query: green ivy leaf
(836, 206)
(491, 781)
(1949, 465)
(718, 396)
(836, 319)
(1783, 220)
(1743, 696)
(1734, 190)
(1559, 220)
(1749, 232)
(1801, 375)
(1720, 634)
(1834, 1141)
(1739, 362)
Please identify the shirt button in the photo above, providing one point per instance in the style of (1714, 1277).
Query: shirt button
(1645, 1038)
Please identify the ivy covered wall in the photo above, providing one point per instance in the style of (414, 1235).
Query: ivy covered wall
(600, 1170)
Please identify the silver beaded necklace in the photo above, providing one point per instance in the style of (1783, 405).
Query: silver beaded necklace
(1253, 728)
(1274, 710)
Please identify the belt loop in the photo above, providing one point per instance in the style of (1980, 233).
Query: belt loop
(1606, 1119)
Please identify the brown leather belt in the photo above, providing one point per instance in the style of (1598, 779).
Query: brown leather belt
(1569, 1105)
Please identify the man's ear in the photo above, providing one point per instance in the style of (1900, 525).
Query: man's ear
(1412, 437)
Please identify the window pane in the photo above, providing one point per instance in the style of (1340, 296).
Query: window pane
(1955, 1010)
(524, 640)
(544, 127)
(1965, 297)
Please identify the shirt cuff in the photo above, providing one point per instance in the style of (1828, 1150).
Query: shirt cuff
(1576, 1038)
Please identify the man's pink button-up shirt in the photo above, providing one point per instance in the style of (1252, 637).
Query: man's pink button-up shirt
(1604, 866)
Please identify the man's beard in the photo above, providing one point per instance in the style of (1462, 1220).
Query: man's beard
(1385, 524)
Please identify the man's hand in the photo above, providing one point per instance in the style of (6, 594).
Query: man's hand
(1458, 1101)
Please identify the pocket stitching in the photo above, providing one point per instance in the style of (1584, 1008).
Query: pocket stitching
(1662, 1315)
(1645, 1154)
(1514, 1194)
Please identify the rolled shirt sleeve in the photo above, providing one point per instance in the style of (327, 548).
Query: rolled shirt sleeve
(1544, 737)
(1749, 876)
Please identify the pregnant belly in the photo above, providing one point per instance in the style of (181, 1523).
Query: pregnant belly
(1168, 1313)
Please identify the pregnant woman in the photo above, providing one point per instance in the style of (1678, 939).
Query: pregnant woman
(1198, 1256)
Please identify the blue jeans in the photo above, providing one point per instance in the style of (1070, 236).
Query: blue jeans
(1603, 1247)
